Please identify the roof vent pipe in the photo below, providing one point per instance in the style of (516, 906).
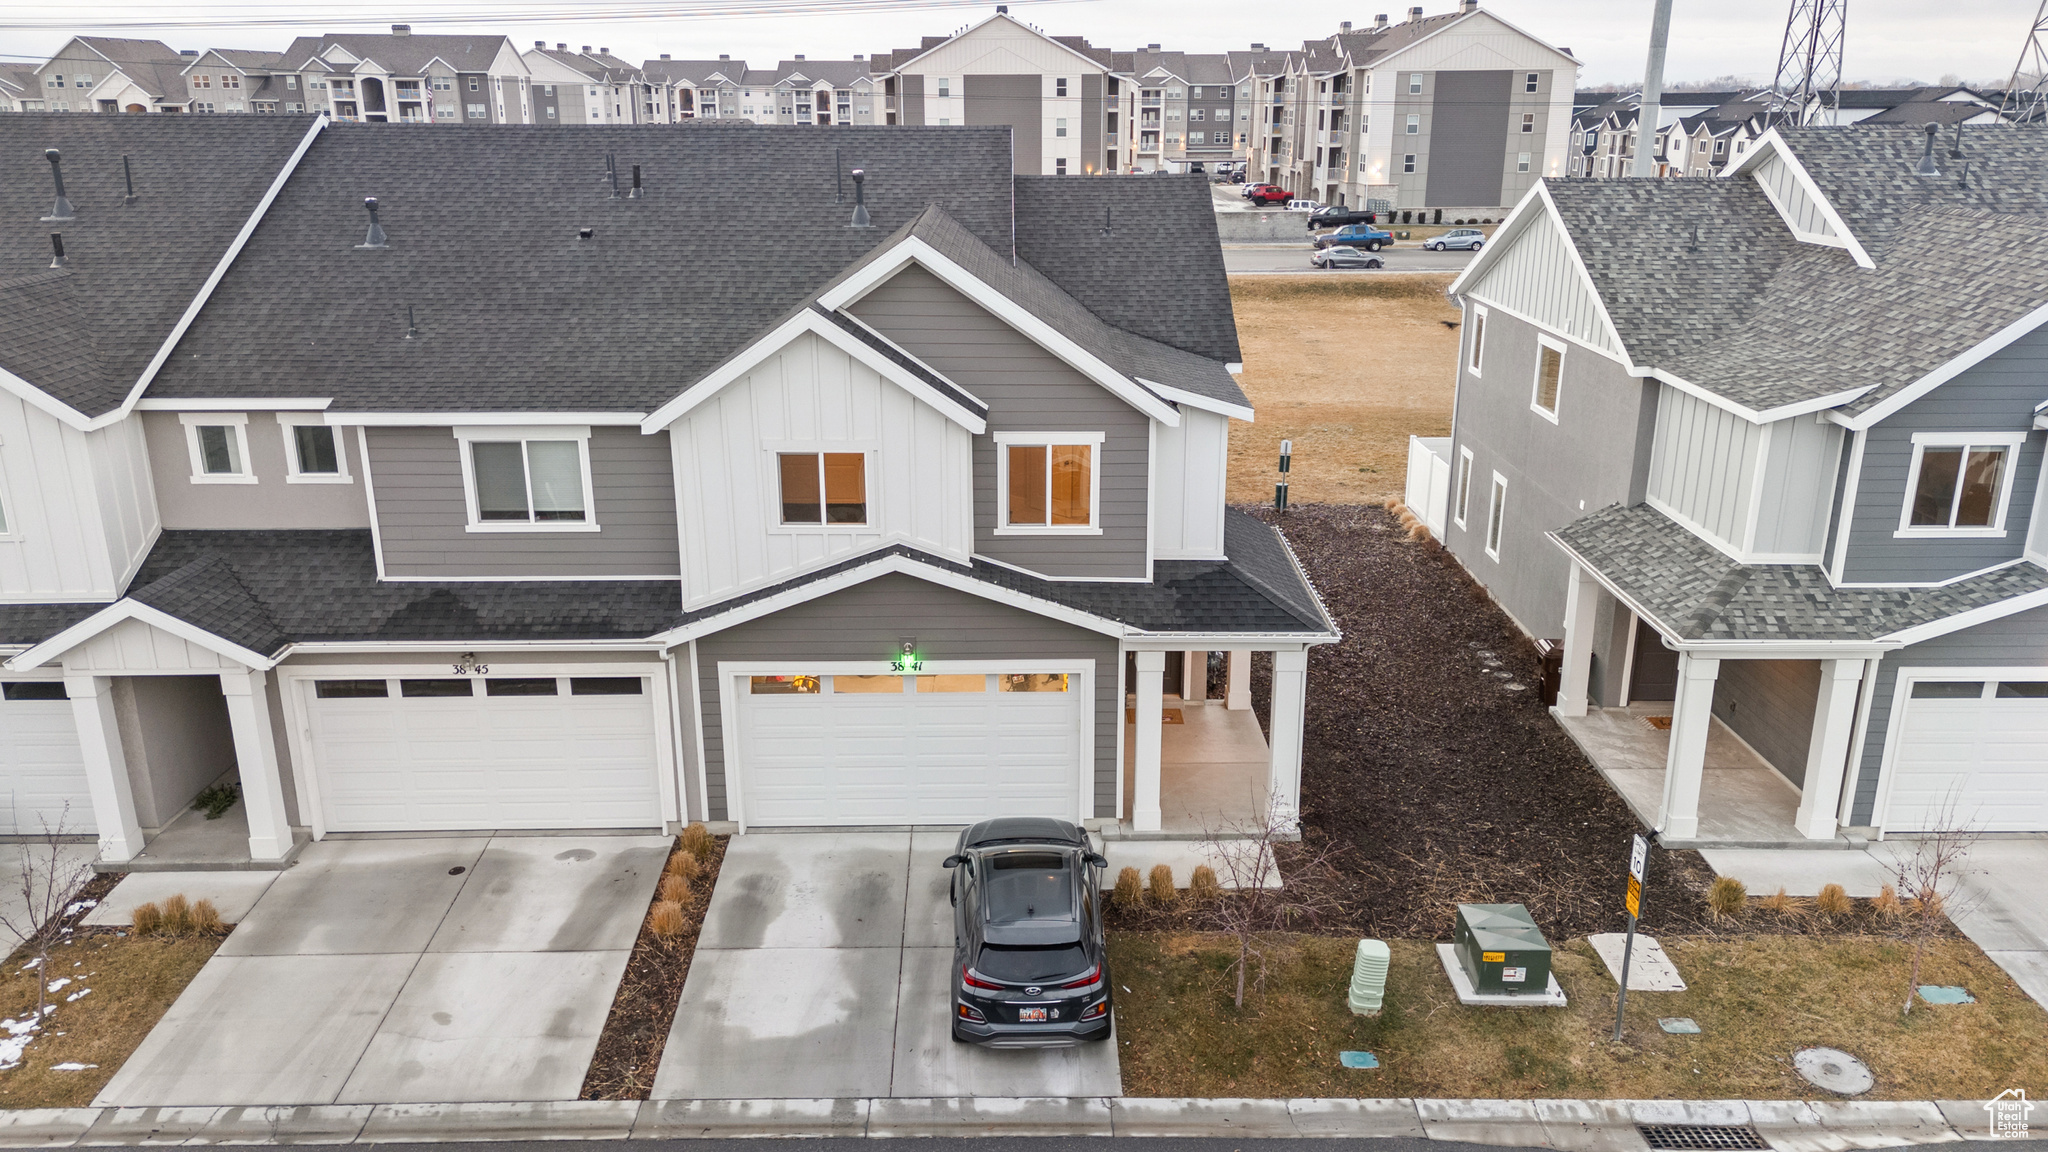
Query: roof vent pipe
(401, 29)
(1345, 26)
(1414, 14)
(541, 44)
(1927, 166)
(57, 259)
(375, 237)
(838, 178)
(62, 209)
(635, 193)
(664, 55)
(860, 200)
(1379, 22)
(561, 47)
(412, 327)
(585, 233)
(128, 175)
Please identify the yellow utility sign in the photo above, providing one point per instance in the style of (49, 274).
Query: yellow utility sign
(1493, 957)
(1635, 896)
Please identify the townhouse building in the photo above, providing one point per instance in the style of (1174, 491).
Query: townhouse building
(1181, 111)
(594, 87)
(925, 526)
(109, 74)
(700, 89)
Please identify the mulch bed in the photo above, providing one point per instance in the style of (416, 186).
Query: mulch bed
(1435, 777)
(635, 1032)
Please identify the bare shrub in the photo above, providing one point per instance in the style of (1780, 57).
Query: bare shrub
(666, 920)
(148, 919)
(1259, 903)
(51, 880)
(205, 918)
(1726, 896)
(697, 840)
(1159, 886)
(1931, 878)
(177, 915)
(1129, 893)
(675, 889)
(1834, 901)
(1202, 885)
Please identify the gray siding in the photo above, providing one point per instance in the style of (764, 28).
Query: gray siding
(1091, 124)
(1770, 704)
(1597, 452)
(1467, 150)
(1027, 389)
(1514, 183)
(175, 733)
(862, 622)
(268, 503)
(421, 515)
(1997, 395)
(910, 99)
(2017, 641)
(1796, 496)
(1013, 101)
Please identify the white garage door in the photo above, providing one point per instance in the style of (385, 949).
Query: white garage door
(940, 749)
(1978, 748)
(396, 754)
(41, 769)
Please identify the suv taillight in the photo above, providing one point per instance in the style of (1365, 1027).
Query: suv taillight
(968, 978)
(1091, 976)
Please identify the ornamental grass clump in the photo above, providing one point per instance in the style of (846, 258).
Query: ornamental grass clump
(147, 919)
(1778, 902)
(1725, 896)
(684, 865)
(1834, 901)
(1202, 886)
(666, 920)
(1129, 894)
(697, 841)
(1159, 886)
(205, 918)
(177, 915)
(675, 889)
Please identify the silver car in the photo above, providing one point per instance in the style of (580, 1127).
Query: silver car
(1342, 257)
(1460, 238)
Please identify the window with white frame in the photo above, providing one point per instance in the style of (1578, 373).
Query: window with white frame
(1521, 162)
(1959, 484)
(219, 446)
(1050, 482)
(527, 479)
(1408, 162)
(1495, 512)
(314, 450)
(823, 488)
(1528, 122)
(1059, 126)
(1415, 83)
(1529, 82)
(1414, 125)
(1477, 354)
(1463, 503)
(1549, 376)
(945, 86)
(1059, 86)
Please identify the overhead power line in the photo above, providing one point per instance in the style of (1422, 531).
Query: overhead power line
(615, 11)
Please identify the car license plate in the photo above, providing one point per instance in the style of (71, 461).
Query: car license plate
(1031, 1015)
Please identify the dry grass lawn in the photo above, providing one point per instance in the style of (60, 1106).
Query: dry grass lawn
(1757, 1000)
(1347, 369)
(133, 983)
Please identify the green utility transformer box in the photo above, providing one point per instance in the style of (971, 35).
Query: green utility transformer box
(1502, 950)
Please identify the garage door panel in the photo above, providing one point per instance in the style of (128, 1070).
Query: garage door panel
(471, 762)
(1981, 760)
(41, 769)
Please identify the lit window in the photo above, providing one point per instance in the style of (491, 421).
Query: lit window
(824, 487)
(535, 481)
(1049, 480)
(1959, 483)
(229, 81)
(1031, 682)
(798, 685)
(1549, 372)
(197, 81)
(1528, 122)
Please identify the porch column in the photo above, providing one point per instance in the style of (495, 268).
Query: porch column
(1290, 697)
(1692, 717)
(106, 766)
(1150, 717)
(1581, 600)
(1194, 676)
(1237, 681)
(1827, 752)
(270, 835)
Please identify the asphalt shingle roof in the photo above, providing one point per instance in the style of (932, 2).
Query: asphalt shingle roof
(404, 55)
(1697, 592)
(85, 333)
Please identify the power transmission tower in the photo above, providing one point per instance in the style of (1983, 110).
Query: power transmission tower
(2029, 105)
(1809, 81)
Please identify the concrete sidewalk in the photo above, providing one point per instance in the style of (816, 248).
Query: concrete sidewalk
(1566, 1125)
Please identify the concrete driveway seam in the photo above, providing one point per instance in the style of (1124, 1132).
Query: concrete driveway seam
(1567, 1125)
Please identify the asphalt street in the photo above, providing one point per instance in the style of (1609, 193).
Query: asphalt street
(1035, 1144)
(1262, 258)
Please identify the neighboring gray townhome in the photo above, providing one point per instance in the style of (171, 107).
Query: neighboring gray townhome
(1766, 451)
(455, 515)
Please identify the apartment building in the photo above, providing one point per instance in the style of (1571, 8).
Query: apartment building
(1181, 111)
(594, 87)
(700, 89)
(108, 74)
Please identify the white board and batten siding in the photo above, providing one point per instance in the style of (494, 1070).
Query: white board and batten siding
(135, 647)
(1190, 466)
(1535, 277)
(812, 397)
(1801, 211)
(1761, 492)
(79, 506)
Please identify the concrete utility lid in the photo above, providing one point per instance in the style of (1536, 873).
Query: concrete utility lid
(1834, 1070)
(1649, 969)
(1678, 1025)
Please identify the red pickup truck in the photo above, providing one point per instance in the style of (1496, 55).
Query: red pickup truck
(1264, 194)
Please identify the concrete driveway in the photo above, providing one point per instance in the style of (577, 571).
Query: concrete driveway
(447, 969)
(1998, 902)
(824, 970)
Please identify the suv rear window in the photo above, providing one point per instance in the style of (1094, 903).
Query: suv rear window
(1030, 965)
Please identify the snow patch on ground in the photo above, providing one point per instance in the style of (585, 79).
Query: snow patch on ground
(19, 1034)
(76, 907)
(59, 982)
(76, 995)
(71, 1067)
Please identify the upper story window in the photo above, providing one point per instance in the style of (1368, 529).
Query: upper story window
(1549, 376)
(823, 488)
(1462, 503)
(1414, 124)
(313, 449)
(1059, 126)
(231, 81)
(1528, 122)
(1415, 83)
(219, 446)
(1496, 515)
(1959, 484)
(291, 83)
(1059, 86)
(1477, 354)
(197, 81)
(1049, 482)
(1529, 82)
(527, 479)
(945, 86)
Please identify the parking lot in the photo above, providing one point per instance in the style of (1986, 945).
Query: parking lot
(1252, 259)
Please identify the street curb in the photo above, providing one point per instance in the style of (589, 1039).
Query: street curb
(1565, 1125)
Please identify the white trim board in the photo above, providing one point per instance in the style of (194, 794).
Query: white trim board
(122, 611)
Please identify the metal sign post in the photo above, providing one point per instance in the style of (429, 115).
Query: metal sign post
(1638, 856)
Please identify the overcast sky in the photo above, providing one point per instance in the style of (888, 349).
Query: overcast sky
(1888, 39)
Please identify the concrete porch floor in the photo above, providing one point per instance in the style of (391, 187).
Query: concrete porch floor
(1214, 767)
(1744, 802)
(192, 843)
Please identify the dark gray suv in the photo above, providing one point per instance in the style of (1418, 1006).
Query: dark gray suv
(1029, 966)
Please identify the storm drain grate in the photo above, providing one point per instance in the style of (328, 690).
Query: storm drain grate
(1702, 1137)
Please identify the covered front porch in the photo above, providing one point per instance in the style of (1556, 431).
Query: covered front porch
(1196, 765)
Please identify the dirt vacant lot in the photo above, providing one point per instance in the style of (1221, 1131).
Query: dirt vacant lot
(1348, 370)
